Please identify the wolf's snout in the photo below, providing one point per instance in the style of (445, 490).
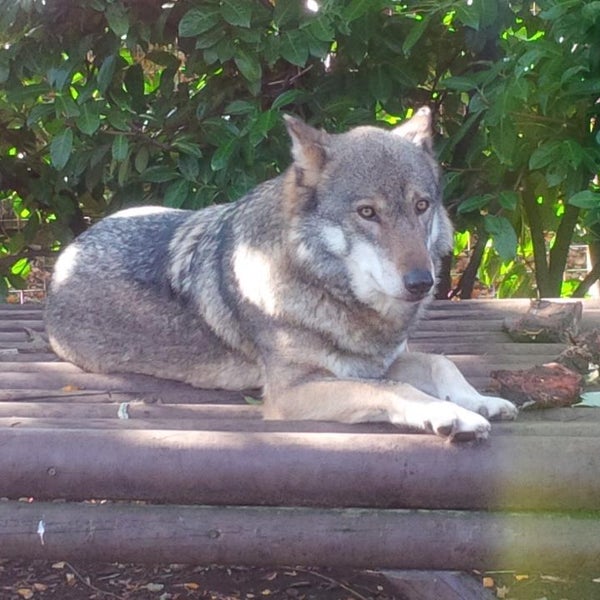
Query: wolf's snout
(418, 282)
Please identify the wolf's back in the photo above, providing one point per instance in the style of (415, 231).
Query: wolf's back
(118, 300)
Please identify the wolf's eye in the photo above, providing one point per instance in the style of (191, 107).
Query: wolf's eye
(421, 206)
(366, 212)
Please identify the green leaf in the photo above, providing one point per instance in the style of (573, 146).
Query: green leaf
(240, 107)
(286, 12)
(237, 12)
(287, 97)
(188, 166)
(460, 83)
(39, 112)
(210, 38)
(475, 203)
(106, 72)
(198, 20)
(118, 19)
(61, 148)
(134, 84)
(503, 236)
(356, 9)
(141, 159)
(586, 199)
(544, 155)
(66, 106)
(88, 120)
(591, 399)
(223, 153)
(262, 125)
(380, 83)
(322, 29)
(248, 65)
(252, 400)
(120, 147)
(508, 200)
(294, 47)
(415, 34)
(188, 147)
(160, 174)
(177, 193)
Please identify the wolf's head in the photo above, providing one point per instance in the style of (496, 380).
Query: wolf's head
(366, 206)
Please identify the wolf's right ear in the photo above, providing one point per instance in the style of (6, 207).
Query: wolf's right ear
(418, 129)
(308, 149)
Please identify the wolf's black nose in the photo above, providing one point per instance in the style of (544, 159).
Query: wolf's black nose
(418, 281)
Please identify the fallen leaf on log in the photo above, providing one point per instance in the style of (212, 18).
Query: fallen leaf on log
(546, 386)
(584, 353)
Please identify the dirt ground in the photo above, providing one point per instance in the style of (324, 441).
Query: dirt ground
(41, 580)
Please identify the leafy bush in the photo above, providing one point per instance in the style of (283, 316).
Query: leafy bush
(113, 103)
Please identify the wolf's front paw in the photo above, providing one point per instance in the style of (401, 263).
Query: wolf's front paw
(455, 423)
(496, 408)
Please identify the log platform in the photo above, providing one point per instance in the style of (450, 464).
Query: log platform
(131, 468)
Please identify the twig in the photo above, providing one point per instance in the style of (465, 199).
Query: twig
(88, 584)
(334, 581)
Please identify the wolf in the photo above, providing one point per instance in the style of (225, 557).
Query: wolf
(308, 287)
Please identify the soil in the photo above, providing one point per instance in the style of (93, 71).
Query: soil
(41, 580)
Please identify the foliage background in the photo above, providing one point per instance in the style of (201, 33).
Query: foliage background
(112, 103)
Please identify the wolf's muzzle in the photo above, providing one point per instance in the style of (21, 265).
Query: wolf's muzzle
(418, 282)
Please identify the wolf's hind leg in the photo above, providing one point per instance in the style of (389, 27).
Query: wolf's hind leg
(436, 375)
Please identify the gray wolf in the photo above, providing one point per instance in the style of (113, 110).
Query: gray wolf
(308, 287)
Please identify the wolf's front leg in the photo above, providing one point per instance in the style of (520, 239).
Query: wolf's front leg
(436, 375)
(360, 401)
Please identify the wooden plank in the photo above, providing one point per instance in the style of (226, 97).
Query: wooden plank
(76, 408)
(204, 535)
(92, 422)
(332, 469)
(441, 585)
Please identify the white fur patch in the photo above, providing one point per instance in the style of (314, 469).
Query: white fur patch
(334, 239)
(435, 231)
(65, 265)
(140, 211)
(372, 274)
(254, 273)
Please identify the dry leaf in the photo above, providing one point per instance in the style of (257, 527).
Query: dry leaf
(40, 587)
(154, 587)
(70, 578)
(59, 565)
(191, 586)
(522, 577)
(70, 388)
(25, 593)
(502, 592)
(488, 582)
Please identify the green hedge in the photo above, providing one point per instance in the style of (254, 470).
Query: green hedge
(106, 104)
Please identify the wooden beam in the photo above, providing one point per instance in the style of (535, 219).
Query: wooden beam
(310, 469)
(204, 535)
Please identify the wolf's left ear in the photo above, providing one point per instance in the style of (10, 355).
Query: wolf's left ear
(308, 148)
(418, 129)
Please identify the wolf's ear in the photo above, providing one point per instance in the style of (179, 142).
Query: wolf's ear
(308, 148)
(418, 129)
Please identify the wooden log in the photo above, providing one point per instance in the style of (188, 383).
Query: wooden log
(308, 469)
(64, 421)
(161, 394)
(258, 536)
